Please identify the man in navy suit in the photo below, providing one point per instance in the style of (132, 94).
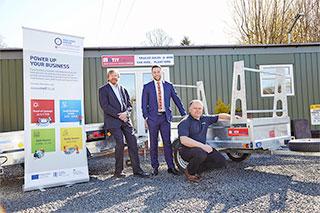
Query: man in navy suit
(115, 103)
(156, 111)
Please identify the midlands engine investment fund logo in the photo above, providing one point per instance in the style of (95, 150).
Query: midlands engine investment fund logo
(57, 41)
(66, 43)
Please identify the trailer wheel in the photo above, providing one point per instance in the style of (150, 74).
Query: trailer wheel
(238, 156)
(304, 145)
(180, 163)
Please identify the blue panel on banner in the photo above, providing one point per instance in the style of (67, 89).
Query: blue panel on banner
(70, 111)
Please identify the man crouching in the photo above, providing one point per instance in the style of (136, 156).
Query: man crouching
(192, 132)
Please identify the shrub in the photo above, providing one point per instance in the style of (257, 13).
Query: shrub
(221, 107)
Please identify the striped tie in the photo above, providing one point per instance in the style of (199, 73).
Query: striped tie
(123, 103)
(159, 97)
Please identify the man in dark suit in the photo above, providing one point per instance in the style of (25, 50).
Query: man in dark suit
(115, 103)
(156, 111)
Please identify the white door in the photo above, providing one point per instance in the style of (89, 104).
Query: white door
(133, 80)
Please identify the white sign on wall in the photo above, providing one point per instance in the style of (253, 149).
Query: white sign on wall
(315, 114)
(149, 60)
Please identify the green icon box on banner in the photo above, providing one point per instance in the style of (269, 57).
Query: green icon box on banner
(43, 140)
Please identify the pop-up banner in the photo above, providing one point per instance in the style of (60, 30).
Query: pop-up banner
(54, 137)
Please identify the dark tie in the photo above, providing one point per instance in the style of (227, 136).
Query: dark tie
(123, 103)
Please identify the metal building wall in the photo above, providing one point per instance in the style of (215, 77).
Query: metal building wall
(213, 65)
(11, 95)
(94, 78)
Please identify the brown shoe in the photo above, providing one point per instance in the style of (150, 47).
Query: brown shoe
(192, 178)
(119, 175)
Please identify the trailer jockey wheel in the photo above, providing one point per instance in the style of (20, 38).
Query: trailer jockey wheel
(238, 156)
(180, 163)
(88, 153)
(128, 162)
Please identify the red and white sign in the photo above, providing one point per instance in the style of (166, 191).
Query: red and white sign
(42, 109)
(117, 60)
(137, 60)
(239, 131)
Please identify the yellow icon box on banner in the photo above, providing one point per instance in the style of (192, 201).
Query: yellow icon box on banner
(71, 138)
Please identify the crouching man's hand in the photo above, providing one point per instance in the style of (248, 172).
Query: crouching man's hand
(207, 148)
(189, 142)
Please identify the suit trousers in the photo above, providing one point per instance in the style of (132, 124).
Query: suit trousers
(164, 126)
(200, 161)
(127, 131)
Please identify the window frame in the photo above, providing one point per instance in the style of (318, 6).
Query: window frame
(290, 77)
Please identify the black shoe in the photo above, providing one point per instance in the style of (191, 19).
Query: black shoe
(119, 175)
(142, 174)
(173, 171)
(155, 172)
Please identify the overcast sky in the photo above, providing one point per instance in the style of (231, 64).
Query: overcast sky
(119, 22)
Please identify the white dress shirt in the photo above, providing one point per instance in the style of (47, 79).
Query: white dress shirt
(162, 94)
(116, 90)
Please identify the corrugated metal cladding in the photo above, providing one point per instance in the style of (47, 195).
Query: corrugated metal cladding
(211, 64)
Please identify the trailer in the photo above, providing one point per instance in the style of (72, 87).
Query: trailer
(239, 138)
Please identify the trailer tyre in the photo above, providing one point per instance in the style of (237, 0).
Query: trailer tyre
(304, 146)
(238, 156)
(180, 163)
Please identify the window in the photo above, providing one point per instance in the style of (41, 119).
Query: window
(267, 81)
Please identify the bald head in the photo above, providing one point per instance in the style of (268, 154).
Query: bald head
(196, 108)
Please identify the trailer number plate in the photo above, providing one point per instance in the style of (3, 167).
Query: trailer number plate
(272, 134)
(240, 131)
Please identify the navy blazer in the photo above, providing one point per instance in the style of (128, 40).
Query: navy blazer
(111, 107)
(150, 102)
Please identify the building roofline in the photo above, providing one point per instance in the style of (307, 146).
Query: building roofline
(234, 46)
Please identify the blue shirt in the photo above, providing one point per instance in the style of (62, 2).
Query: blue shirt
(196, 129)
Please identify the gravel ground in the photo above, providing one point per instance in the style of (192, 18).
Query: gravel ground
(261, 184)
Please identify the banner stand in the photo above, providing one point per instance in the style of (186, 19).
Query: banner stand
(54, 135)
